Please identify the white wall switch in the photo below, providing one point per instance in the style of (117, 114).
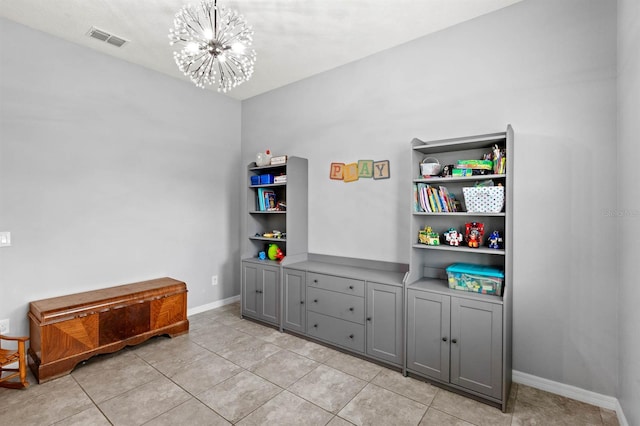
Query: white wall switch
(5, 239)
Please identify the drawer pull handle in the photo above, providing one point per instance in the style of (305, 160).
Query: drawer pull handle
(454, 341)
(351, 309)
(351, 336)
(259, 291)
(350, 287)
(444, 339)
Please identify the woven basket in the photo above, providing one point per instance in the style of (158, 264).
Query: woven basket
(430, 167)
(484, 199)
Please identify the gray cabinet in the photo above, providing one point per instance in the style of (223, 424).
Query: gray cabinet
(459, 338)
(335, 310)
(260, 291)
(476, 346)
(384, 322)
(354, 304)
(428, 325)
(455, 340)
(260, 279)
(294, 288)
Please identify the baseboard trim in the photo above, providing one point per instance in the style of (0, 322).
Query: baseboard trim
(573, 392)
(212, 305)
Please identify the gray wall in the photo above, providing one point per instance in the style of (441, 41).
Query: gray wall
(110, 174)
(628, 207)
(546, 67)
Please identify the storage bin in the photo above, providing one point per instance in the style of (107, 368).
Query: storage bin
(475, 278)
(484, 199)
(255, 180)
(266, 179)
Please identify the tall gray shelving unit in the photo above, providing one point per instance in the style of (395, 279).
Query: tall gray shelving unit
(260, 279)
(460, 339)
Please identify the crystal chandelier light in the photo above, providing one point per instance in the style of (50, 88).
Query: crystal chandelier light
(215, 45)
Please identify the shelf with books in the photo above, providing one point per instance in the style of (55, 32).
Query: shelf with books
(267, 205)
(266, 224)
(446, 233)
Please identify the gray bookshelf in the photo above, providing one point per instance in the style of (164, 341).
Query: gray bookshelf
(460, 339)
(261, 279)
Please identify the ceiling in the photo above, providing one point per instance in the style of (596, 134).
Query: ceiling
(294, 39)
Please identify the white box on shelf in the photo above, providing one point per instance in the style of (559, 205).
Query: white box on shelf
(282, 159)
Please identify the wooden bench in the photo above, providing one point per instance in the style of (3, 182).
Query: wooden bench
(69, 329)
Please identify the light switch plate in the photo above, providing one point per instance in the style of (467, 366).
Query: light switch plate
(5, 239)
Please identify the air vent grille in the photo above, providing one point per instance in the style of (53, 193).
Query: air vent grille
(102, 35)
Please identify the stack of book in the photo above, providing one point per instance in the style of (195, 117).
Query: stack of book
(430, 199)
(266, 200)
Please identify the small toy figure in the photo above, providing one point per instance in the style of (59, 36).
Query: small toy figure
(474, 232)
(494, 240)
(453, 237)
(427, 236)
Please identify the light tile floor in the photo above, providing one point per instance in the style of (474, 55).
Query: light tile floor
(233, 371)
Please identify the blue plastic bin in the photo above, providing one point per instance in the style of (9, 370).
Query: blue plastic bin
(476, 278)
(266, 179)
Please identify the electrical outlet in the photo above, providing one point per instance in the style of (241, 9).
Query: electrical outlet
(5, 239)
(5, 326)
(214, 280)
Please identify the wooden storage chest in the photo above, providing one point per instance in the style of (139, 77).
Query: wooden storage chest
(69, 329)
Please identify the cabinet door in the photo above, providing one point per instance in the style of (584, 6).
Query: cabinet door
(268, 293)
(428, 334)
(249, 288)
(384, 322)
(294, 299)
(476, 345)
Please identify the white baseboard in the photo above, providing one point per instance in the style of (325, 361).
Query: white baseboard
(212, 305)
(573, 392)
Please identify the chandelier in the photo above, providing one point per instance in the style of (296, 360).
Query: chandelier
(215, 45)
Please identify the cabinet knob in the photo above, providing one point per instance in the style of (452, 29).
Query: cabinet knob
(350, 287)
(454, 341)
(369, 319)
(351, 309)
(444, 339)
(315, 281)
(351, 336)
(315, 325)
(315, 300)
(302, 302)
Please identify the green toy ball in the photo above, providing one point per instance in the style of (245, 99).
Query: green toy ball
(272, 252)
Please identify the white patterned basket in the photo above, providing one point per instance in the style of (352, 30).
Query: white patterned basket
(484, 199)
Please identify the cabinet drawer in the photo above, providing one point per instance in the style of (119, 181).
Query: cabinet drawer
(337, 331)
(339, 305)
(333, 283)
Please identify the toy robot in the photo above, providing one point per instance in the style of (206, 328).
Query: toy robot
(453, 237)
(474, 231)
(495, 240)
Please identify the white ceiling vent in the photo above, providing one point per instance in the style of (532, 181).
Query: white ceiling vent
(102, 35)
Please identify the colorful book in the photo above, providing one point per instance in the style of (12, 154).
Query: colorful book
(270, 200)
